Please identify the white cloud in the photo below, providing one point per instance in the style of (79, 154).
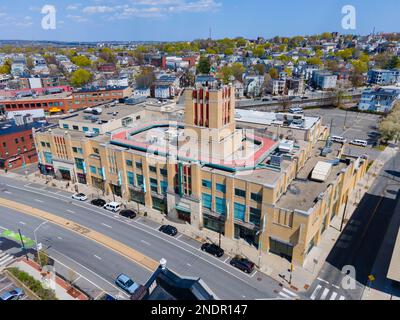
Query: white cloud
(153, 8)
(75, 6)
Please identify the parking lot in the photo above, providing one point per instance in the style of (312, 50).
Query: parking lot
(351, 125)
(6, 284)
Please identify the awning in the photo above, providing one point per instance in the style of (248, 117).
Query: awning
(181, 208)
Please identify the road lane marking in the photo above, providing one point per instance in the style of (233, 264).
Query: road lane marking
(150, 233)
(59, 238)
(145, 242)
(179, 237)
(8, 192)
(70, 211)
(334, 285)
(226, 259)
(324, 294)
(315, 292)
(323, 280)
(23, 223)
(254, 273)
(3, 228)
(342, 298)
(94, 273)
(37, 200)
(106, 225)
(97, 257)
(333, 296)
(138, 219)
(285, 295)
(289, 292)
(6, 287)
(188, 264)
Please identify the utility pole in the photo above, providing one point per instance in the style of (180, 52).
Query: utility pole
(344, 214)
(23, 244)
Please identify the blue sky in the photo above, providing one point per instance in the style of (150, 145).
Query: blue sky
(171, 20)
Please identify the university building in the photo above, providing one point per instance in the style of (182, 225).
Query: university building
(273, 180)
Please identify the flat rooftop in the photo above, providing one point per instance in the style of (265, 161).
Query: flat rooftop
(165, 138)
(269, 118)
(109, 113)
(62, 95)
(303, 192)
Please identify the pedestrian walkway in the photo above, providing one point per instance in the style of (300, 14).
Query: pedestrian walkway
(324, 293)
(5, 259)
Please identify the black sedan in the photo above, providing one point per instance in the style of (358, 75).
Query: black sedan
(170, 230)
(98, 202)
(242, 264)
(212, 249)
(128, 213)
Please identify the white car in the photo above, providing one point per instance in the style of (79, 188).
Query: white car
(80, 197)
(112, 206)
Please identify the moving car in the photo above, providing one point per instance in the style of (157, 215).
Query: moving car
(128, 213)
(126, 283)
(170, 230)
(361, 143)
(112, 206)
(79, 196)
(242, 264)
(14, 294)
(98, 202)
(212, 249)
(107, 296)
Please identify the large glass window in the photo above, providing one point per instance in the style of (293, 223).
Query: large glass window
(255, 216)
(139, 180)
(129, 163)
(281, 248)
(93, 170)
(256, 197)
(240, 193)
(240, 211)
(130, 176)
(206, 184)
(48, 157)
(207, 200)
(164, 186)
(153, 185)
(220, 205)
(220, 187)
(79, 163)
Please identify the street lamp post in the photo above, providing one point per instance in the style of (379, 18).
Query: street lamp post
(37, 246)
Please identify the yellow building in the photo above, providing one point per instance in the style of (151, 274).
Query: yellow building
(275, 181)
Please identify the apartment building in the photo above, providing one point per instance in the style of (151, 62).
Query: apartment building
(93, 96)
(379, 100)
(384, 77)
(276, 192)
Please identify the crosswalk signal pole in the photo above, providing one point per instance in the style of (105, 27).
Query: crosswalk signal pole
(23, 244)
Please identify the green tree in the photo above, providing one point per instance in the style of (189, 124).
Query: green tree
(145, 78)
(259, 51)
(390, 126)
(314, 61)
(393, 63)
(81, 61)
(260, 68)
(80, 77)
(203, 66)
(237, 70)
(108, 55)
(273, 73)
(359, 66)
(228, 51)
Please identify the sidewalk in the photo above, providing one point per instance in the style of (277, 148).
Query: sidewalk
(270, 264)
(61, 289)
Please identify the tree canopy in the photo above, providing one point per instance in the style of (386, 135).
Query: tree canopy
(80, 77)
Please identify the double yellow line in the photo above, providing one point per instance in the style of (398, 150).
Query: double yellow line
(86, 232)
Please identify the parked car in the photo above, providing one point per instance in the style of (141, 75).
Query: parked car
(126, 283)
(242, 264)
(79, 196)
(170, 230)
(107, 296)
(212, 249)
(338, 139)
(128, 213)
(358, 142)
(112, 206)
(98, 202)
(14, 294)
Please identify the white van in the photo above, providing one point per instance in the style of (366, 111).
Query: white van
(338, 139)
(112, 206)
(296, 110)
(361, 143)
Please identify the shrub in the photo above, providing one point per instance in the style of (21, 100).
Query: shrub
(33, 284)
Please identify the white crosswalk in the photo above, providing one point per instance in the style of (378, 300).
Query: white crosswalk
(5, 259)
(321, 293)
(287, 294)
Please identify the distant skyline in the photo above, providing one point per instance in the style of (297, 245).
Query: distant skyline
(186, 20)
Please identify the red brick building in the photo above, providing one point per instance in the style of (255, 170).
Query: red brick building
(17, 146)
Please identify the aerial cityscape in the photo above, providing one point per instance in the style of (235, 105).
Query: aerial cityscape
(200, 150)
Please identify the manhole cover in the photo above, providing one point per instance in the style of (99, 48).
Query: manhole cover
(259, 279)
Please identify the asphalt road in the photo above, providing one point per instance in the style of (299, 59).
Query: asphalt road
(183, 254)
(362, 239)
(89, 260)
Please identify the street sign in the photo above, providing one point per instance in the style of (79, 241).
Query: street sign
(371, 278)
(39, 246)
